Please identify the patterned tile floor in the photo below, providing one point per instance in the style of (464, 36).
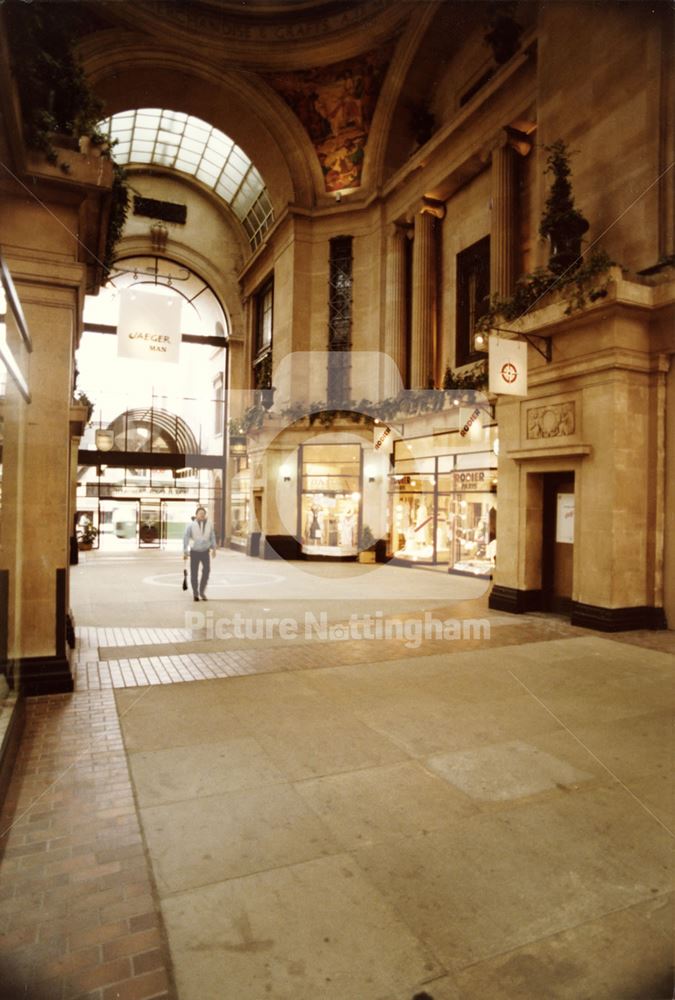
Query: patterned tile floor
(79, 916)
(131, 657)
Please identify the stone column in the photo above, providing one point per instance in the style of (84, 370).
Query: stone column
(52, 313)
(395, 311)
(423, 332)
(503, 235)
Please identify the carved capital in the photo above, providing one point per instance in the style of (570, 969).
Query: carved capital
(429, 206)
(399, 230)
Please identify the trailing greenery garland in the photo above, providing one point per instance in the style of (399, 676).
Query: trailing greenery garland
(408, 403)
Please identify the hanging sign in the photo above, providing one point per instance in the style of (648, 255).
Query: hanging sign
(382, 438)
(470, 422)
(508, 366)
(148, 328)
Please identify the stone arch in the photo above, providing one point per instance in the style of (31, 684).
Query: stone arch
(222, 282)
(127, 73)
(391, 94)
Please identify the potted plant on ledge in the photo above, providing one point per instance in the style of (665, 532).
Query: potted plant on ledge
(562, 224)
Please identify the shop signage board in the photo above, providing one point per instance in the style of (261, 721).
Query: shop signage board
(330, 483)
(473, 479)
(508, 366)
(148, 328)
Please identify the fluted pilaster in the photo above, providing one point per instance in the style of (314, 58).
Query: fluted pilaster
(503, 235)
(395, 311)
(424, 295)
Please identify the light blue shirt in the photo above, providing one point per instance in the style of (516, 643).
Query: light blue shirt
(201, 535)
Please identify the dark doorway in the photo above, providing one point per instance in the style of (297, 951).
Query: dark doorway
(557, 564)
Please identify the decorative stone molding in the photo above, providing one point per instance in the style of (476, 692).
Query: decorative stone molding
(554, 420)
(550, 451)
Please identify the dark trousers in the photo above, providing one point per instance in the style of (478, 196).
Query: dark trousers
(195, 559)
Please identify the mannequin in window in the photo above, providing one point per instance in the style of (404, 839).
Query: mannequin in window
(421, 524)
(315, 525)
(347, 525)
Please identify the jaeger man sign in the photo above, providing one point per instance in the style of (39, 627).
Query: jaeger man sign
(148, 328)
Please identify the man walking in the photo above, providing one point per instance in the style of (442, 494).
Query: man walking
(199, 537)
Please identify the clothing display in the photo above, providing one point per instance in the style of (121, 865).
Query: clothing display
(329, 525)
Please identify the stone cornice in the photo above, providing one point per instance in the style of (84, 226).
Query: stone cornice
(550, 451)
(596, 362)
(285, 40)
(622, 293)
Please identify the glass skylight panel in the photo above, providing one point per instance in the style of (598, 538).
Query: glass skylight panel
(207, 176)
(164, 135)
(173, 139)
(238, 162)
(220, 144)
(192, 145)
(147, 119)
(226, 188)
(191, 159)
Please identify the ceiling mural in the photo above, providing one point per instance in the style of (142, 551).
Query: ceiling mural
(336, 105)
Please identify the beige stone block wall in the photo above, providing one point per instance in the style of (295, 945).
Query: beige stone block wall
(600, 90)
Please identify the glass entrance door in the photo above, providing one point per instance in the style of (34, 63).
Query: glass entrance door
(149, 524)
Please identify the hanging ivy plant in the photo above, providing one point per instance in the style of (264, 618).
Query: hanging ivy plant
(475, 377)
(58, 105)
(576, 288)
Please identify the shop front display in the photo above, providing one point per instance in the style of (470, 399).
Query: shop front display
(240, 504)
(443, 510)
(330, 507)
(412, 517)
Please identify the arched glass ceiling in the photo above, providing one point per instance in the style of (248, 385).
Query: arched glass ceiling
(172, 139)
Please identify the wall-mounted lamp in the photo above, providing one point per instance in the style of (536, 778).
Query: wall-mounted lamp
(480, 342)
(338, 197)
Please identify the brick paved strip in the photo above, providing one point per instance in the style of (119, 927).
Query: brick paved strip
(78, 916)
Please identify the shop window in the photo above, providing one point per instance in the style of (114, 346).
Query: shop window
(219, 404)
(262, 364)
(473, 298)
(330, 510)
(444, 510)
(240, 505)
(339, 318)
